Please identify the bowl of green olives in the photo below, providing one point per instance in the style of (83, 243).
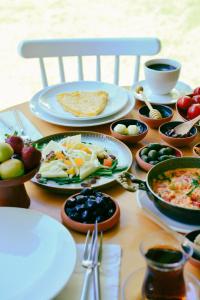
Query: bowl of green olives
(152, 154)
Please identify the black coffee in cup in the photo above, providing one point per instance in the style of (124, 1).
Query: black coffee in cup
(162, 67)
(161, 74)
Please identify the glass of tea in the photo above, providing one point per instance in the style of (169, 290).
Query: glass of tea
(165, 259)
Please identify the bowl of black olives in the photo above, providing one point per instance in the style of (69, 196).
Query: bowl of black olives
(81, 211)
(168, 134)
(152, 154)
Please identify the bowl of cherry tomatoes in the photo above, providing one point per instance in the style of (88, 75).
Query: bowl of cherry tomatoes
(188, 107)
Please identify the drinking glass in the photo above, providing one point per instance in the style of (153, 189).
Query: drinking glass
(165, 260)
(163, 277)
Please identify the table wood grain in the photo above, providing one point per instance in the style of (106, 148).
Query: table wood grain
(133, 226)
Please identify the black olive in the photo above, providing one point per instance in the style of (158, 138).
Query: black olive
(112, 156)
(74, 216)
(99, 199)
(80, 199)
(87, 191)
(85, 215)
(71, 203)
(70, 211)
(90, 204)
(79, 207)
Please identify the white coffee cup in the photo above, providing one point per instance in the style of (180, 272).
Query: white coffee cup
(159, 81)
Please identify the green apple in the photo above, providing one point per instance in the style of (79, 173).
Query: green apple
(11, 168)
(6, 151)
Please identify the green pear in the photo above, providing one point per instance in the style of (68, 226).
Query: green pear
(6, 151)
(11, 168)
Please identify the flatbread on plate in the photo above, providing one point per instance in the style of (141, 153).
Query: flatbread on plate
(83, 103)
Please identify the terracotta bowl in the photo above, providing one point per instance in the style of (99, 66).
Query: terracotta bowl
(194, 259)
(13, 192)
(194, 151)
(145, 165)
(166, 112)
(83, 228)
(176, 141)
(183, 115)
(130, 139)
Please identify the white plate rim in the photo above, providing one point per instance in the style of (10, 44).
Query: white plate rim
(78, 187)
(33, 105)
(42, 99)
(173, 101)
(51, 291)
(182, 228)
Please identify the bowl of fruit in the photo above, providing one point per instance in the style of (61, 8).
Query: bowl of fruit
(188, 107)
(19, 162)
(129, 130)
(152, 154)
(81, 211)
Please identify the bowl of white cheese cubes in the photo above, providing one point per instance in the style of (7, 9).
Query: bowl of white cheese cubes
(129, 130)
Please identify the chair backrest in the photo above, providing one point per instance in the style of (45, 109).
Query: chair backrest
(89, 47)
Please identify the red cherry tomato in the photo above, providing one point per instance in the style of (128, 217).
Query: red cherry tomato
(197, 91)
(193, 111)
(196, 99)
(184, 102)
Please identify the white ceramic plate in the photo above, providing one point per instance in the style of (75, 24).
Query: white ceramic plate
(180, 89)
(144, 201)
(114, 147)
(118, 98)
(41, 114)
(37, 255)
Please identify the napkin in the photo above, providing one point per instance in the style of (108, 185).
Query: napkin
(109, 275)
(8, 118)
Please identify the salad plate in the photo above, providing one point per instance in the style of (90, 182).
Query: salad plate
(37, 255)
(80, 161)
(179, 90)
(41, 114)
(118, 98)
(144, 201)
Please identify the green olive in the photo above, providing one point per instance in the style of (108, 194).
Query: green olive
(165, 151)
(144, 151)
(152, 155)
(144, 158)
(163, 157)
(154, 146)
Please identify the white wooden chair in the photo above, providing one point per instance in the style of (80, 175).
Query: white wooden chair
(89, 47)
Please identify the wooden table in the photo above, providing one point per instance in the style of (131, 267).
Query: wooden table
(133, 227)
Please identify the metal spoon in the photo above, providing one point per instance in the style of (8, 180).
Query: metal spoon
(153, 113)
(181, 238)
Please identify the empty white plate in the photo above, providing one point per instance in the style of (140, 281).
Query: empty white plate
(144, 201)
(118, 98)
(37, 255)
(180, 89)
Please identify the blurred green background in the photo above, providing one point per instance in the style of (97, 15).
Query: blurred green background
(175, 23)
